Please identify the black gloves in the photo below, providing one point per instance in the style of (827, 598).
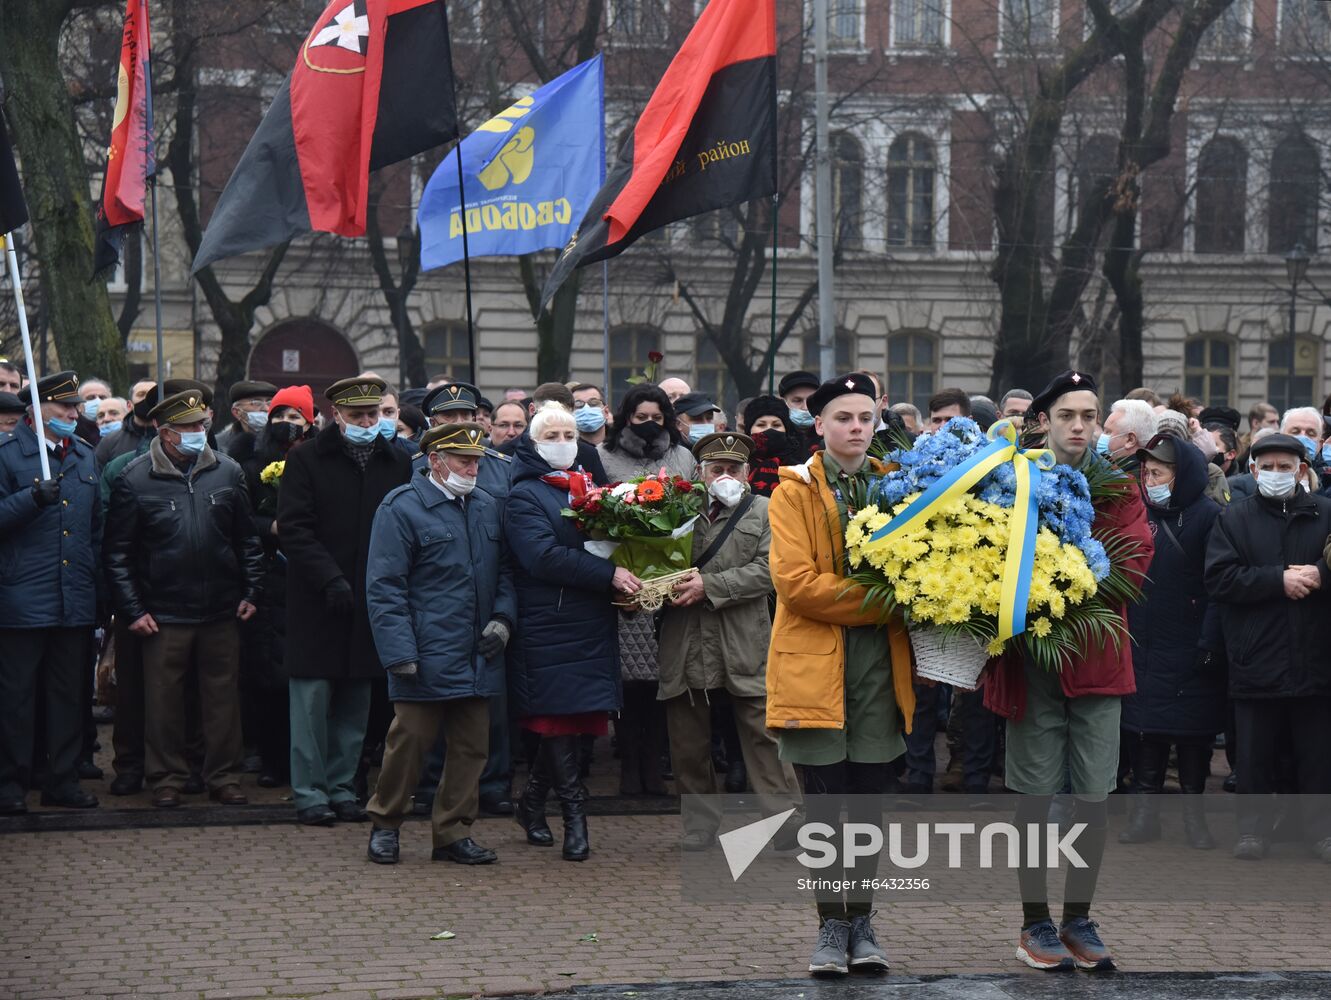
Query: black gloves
(493, 639)
(338, 597)
(46, 493)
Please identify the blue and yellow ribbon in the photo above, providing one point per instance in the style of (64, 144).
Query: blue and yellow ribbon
(1024, 523)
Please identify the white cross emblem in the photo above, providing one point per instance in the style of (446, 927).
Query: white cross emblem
(1076, 379)
(850, 383)
(348, 30)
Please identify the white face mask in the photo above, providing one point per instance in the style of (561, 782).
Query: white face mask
(560, 454)
(1276, 484)
(727, 489)
(454, 484)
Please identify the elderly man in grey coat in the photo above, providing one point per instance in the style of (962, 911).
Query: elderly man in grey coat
(442, 608)
(714, 639)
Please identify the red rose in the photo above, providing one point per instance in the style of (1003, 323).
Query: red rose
(683, 485)
(655, 357)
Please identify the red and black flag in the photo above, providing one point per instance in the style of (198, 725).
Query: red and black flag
(372, 85)
(705, 140)
(129, 157)
(13, 209)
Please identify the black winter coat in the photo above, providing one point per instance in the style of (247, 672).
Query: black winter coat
(565, 657)
(325, 511)
(1277, 647)
(1177, 649)
(181, 547)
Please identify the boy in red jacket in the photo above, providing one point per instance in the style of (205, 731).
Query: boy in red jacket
(1066, 725)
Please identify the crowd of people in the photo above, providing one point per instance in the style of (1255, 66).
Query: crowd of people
(391, 582)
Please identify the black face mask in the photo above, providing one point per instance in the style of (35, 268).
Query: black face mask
(772, 442)
(285, 433)
(647, 430)
(144, 406)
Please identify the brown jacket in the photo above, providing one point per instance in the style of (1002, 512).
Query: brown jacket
(806, 669)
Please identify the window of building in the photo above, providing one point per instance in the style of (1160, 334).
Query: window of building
(910, 192)
(712, 376)
(1305, 385)
(912, 368)
(1222, 196)
(919, 24)
(1295, 186)
(629, 347)
(465, 18)
(1208, 370)
(1029, 25)
(1305, 27)
(446, 350)
(1230, 34)
(812, 352)
(643, 22)
(1095, 172)
(848, 190)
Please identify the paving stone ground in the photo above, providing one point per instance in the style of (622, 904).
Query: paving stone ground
(288, 911)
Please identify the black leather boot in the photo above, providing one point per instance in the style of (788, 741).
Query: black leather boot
(1194, 765)
(529, 810)
(562, 755)
(1148, 774)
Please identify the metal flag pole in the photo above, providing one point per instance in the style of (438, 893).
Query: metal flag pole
(823, 196)
(150, 160)
(771, 346)
(605, 332)
(11, 255)
(466, 264)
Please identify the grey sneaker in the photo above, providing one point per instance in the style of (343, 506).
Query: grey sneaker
(829, 957)
(866, 954)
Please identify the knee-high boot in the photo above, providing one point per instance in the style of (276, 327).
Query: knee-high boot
(529, 810)
(1194, 764)
(561, 755)
(1150, 757)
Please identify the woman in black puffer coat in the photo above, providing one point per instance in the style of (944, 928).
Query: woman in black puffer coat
(1177, 648)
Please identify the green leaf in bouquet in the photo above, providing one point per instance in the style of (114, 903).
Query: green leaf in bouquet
(647, 557)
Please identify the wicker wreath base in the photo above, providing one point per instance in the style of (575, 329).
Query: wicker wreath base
(655, 592)
(949, 659)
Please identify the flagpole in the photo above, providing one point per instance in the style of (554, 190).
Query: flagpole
(771, 348)
(466, 263)
(605, 331)
(823, 196)
(150, 159)
(11, 255)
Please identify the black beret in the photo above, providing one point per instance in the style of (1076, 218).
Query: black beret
(252, 390)
(1279, 442)
(1227, 416)
(843, 385)
(797, 380)
(1069, 381)
(695, 404)
(484, 404)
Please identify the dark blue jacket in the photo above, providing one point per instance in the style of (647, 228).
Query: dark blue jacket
(436, 576)
(565, 658)
(50, 558)
(1179, 691)
(493, 475)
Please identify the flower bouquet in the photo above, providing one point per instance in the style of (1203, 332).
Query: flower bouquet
(980, 544)
(646, 526)
(271, 476)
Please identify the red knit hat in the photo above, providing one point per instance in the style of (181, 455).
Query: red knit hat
(298, 397)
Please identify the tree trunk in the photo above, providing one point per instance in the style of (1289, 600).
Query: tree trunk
(554, 326)
(397, 292)
(56, 184)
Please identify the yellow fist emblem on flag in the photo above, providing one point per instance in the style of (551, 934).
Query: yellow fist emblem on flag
(512, 163)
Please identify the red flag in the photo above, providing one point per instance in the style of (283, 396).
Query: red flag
(705, 140)
(372, 85)
(129, 159)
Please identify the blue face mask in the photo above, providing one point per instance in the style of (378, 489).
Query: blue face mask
(1102, 445)
(1309, 445)
(1326, 453)
(699, 431)
(589, 419)
(801, 418)
(111, 427)
(90, 408)
(388, 428)
(257, 419)
(357, 434)
(192, 442)
(62, 428)
(1159, 495)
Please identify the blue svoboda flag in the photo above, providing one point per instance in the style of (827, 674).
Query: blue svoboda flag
(531, 171)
